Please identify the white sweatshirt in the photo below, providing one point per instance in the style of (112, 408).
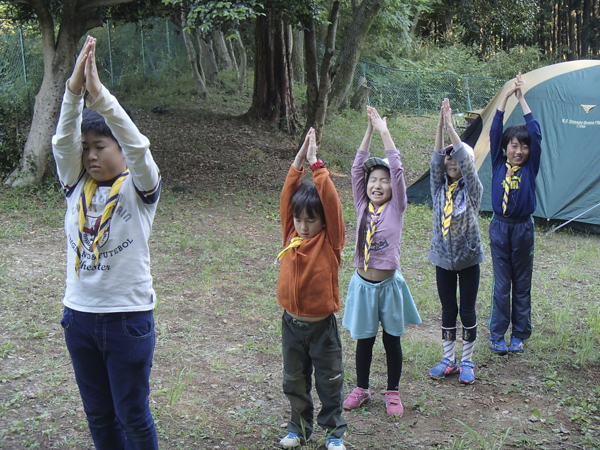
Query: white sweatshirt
(120, 280)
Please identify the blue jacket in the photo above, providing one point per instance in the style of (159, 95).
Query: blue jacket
(521, 201)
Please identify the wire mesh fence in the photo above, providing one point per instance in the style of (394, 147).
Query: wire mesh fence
(423, 92)
(153, 49)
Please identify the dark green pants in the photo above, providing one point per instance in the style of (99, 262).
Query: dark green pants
(306, 345)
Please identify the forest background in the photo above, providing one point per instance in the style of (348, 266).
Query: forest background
(279, 41)
(223, 136)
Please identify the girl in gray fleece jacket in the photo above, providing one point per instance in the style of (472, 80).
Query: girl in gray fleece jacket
(456, 248)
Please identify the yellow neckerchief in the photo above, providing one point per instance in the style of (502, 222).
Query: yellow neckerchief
(510, 181)
(295, 242)
(371, 230)
(448, 210)
(84, 203)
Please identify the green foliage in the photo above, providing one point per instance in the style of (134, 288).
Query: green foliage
(460, 59)
(391, 32)
(488, 25)
(505, 64)
(221, 15)
(14, 124)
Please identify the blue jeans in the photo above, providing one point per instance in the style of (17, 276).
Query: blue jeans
(112, 357)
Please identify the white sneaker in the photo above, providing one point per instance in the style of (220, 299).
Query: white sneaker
(334, 443)
(291, 440)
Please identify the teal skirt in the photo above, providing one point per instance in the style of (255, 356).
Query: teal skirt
(389, 302)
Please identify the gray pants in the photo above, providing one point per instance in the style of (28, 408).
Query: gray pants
(306, 345)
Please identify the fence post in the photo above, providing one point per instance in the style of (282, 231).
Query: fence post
(143, 52)
(468, 95)
(418, 93)
(22, 53)
(112, 80)
(364, 71)
(168, 41)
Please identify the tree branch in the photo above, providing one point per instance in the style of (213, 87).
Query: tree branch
(86, 5)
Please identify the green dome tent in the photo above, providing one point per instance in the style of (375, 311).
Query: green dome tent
(565, 98)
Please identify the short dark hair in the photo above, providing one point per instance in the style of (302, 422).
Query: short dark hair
(94, 122)
(306, 198)
(518, 131)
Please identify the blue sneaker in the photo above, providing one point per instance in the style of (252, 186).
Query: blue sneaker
(499, 347)
(334, 443)
(467, 374)
(516, 345)
(291, 440)
(446, 367)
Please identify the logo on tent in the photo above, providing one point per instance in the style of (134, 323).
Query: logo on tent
(588, 108)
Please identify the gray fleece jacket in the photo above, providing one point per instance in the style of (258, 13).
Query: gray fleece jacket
(462, 248)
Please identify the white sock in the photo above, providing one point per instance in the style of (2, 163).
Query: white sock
(468, 350)
(449, 349)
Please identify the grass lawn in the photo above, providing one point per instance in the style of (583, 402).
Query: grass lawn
(217, 375)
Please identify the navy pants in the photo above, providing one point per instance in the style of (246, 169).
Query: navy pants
(112, 357)
(511, 243)
(305, 345)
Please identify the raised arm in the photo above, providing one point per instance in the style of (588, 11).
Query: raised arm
(521, 97)
(135, 146)
(393, 155)
(332, 207)
(447, 114)
(437, 169)
(516, 86)
(66, 142)
(469, 172)
(380, 125)
(292, 181)
(365, 145)
(535, 148)
(358, 175)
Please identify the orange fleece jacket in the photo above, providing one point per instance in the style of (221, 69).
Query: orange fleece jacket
(308, 280)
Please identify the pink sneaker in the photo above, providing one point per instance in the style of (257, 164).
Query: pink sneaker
(393, 405)
(357, 397)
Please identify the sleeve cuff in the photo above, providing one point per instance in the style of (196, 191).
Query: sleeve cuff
(69, 97)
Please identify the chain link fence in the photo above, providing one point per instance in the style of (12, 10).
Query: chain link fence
(126, 52)
(423, 92)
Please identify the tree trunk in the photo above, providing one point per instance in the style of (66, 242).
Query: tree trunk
(243, 62)
(59, 54)
(45, 116)
(232, 55)
(327, 73)
(312, 73)
(359, 100)
(197, 72)
(210, 63)
(343, 71)
(413, 27)
(585, 32)
(572, 55)
(273, 96)
(221, 50)
(298, 55)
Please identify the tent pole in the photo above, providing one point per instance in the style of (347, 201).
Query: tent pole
(569, 221)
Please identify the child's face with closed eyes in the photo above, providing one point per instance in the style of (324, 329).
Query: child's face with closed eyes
(379, 186)
(308, 227)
